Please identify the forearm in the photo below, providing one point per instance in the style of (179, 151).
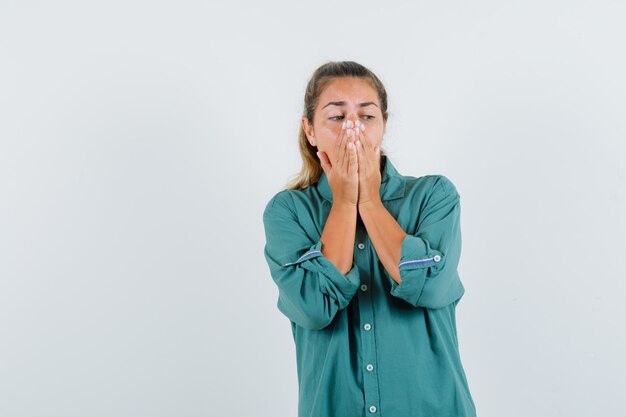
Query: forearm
(339, 235)
(386, 235)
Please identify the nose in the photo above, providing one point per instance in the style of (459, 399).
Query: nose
(352, 116)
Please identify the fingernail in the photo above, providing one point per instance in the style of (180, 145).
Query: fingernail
(343, 125)
(318, 155)
(350, 145)
(362, 127)
(349, 123)
(358, 143)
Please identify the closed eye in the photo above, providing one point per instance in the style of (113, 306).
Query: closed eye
(367, 116)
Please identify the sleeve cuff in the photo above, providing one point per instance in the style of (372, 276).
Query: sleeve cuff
(415, 258)
(416, 253)
(333, 283)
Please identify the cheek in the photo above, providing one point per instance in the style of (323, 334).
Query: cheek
(374, 133)
(327, 136)
(330, 131)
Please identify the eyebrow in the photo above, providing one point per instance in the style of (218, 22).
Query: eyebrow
(343, 103)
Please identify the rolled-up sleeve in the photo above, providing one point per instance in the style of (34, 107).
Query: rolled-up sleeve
(311, 289)
(429, 258)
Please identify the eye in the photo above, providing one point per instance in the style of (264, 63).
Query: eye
(366, 116)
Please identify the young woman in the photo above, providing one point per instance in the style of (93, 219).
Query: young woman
(365, 260)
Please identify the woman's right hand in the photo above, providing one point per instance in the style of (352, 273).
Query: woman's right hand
(343, 174)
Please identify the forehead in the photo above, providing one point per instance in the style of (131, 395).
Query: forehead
(348, 88)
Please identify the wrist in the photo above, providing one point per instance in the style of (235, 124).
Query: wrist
(344, 205)
(370, 204)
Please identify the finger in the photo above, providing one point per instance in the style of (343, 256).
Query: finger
(341, 146)
(367, 145)
(359, 137)
(349, 147)
(342, 133)
(353, 163)
(324, 161)
(364, 161)
(359, 154)
(376, 160)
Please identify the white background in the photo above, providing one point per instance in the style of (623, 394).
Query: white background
(140, 142)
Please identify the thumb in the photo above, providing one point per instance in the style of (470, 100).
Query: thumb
(326, 166)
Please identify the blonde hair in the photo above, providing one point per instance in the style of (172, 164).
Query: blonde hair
(311, 168)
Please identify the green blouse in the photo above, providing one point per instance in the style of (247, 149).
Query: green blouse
(366, 346)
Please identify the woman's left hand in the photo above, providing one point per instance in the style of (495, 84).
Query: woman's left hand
(368, 157)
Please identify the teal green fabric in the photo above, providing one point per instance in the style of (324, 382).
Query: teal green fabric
(366, 346)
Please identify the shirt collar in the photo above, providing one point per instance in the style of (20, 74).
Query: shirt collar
(391, 186)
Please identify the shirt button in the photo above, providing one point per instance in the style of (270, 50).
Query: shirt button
(367, 326)
(363, 287)
(370, 367)
(372, 409)
(437, 258)
(361, 245)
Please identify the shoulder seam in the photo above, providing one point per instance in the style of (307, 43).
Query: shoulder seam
(272, 202)
(447, 190)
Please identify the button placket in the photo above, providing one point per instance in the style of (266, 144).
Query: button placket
(368, 343)
(368, 337)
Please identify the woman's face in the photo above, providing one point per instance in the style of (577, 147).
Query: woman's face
(345, 98)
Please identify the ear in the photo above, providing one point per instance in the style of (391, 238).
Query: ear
(308, 130)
